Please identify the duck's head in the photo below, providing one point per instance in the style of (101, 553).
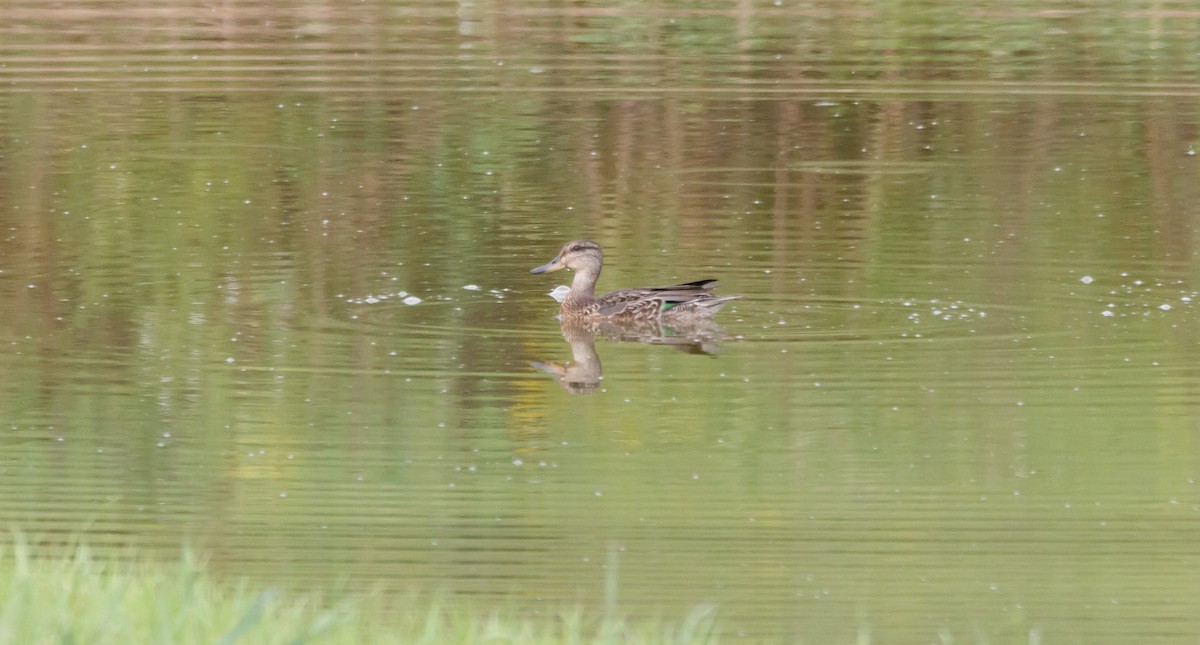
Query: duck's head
(577, 255)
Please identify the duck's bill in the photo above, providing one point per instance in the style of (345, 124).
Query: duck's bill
(553, 265)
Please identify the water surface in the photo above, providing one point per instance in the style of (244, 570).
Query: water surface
(958, 400)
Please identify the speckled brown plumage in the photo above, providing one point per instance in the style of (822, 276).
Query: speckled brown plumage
(675, 303)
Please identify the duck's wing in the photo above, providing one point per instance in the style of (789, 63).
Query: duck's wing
(649, 302)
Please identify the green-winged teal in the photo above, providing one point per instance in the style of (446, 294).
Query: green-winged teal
(679, 303)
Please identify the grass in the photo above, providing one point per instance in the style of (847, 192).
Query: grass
(80, 598)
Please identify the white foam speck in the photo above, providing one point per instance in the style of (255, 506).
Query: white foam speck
(471, 287)
(412, 300)
(560, 292)
(1087, 279)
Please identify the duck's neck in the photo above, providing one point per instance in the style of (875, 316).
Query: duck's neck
(583, 287)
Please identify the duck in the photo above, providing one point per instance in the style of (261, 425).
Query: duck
(678, 303)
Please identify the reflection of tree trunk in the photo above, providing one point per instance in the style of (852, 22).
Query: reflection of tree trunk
(1175, 235)
(785, 128)
(744, 16)
(674, 159)
(1173, 204)
(885, 141)
(589, 165)
(228, 24)
(625, 121)
(1018, 199)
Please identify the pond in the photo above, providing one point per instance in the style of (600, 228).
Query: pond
(265, 270)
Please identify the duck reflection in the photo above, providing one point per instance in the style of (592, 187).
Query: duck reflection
(583, 373)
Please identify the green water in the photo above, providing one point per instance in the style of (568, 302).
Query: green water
(959, 398)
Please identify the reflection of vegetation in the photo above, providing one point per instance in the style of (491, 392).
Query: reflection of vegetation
(182, 231)
(81, 598)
